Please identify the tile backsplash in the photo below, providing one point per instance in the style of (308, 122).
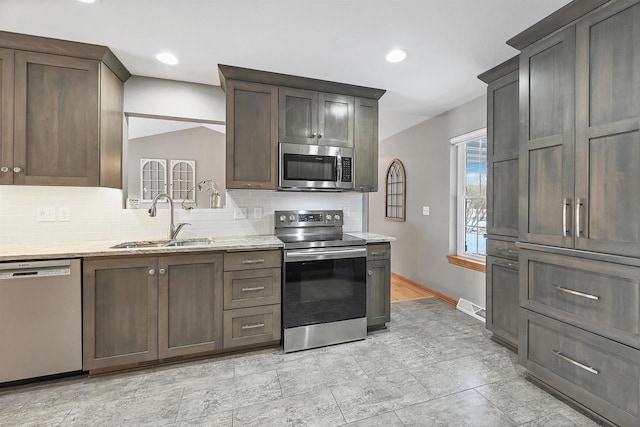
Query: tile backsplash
(98, 214)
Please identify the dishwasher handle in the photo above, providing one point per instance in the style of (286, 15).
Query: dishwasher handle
(34, 269)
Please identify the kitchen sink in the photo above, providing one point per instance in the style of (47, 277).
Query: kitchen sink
(141, 244)
(190, 242)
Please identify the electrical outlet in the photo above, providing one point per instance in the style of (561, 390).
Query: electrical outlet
(64, 214)
(257, 213)
(425, 210)
(239, 213)
(346, 210)
(46, 214)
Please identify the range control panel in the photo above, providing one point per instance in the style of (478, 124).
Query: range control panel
(290, 219)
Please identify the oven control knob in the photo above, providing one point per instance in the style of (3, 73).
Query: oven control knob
(336, 217)
(292, 217)
(282, 218)
(328, 217)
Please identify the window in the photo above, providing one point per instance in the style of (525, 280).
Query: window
(183, 179)
(395, 184)
(472, 193)
(153, 178)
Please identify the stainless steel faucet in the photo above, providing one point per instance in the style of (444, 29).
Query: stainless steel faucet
(173, 229)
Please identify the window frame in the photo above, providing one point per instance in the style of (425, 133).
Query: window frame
(460, 143)
(400, 198)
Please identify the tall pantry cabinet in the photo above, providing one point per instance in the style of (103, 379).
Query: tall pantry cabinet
(579, 256)
(502, 201)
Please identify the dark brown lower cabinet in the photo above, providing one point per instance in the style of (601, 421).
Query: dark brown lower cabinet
(189, 304)
(119, 311)
(502, 299)
(378, 285)
(147, 308)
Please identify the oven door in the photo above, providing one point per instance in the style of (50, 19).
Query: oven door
(324, 285)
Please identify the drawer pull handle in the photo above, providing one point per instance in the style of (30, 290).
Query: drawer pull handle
(253, 261)
(257, 325)
(577, 293)
(377, 253)
(573, 362)
(505, 264)
(257, 288)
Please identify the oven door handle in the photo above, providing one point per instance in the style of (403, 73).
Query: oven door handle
(318, 255)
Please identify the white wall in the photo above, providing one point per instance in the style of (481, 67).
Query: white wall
(423, 242)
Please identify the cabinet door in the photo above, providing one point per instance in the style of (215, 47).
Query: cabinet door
(502, 299)
(120, 308)
(378, 292)
(547, 104)
(189, 304)
(252, 135)
(335, 120)
(608, 131)
(6, 116)
(503, 137)
(56, 139)
(298, 116)
(366, 145)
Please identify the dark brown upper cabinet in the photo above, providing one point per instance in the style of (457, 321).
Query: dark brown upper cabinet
(252, 135)
(61, 113)
(305, 111)
(308, 117)
(580, 134)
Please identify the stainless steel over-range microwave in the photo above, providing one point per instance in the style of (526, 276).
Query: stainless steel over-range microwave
(315, 167)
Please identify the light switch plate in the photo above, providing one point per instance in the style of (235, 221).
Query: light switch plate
(257, 213)
(64, 214)
(46, 214)
(239, 213)
(346, 210)
(425, 210)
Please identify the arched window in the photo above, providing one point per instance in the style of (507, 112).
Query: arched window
(153, 178)
(395, 192)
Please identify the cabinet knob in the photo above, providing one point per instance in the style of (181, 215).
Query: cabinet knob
(4, 169)
(162, 271)
(17, 169)
(319, 135)
(370, 272)
(313, 135)
(152, 272)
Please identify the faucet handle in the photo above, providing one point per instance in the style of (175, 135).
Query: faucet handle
(177, 229)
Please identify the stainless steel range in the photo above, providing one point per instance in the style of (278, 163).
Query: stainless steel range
(324, 280)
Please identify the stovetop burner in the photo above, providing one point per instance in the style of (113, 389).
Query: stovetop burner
(313, 229)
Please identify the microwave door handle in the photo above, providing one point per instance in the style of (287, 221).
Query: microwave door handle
(339, 171)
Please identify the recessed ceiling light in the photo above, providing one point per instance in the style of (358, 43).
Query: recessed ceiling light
(167, 58)
(87, 1)
(396, 55)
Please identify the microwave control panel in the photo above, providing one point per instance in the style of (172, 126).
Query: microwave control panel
(346, 169)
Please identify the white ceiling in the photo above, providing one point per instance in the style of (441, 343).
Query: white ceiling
(449, 42)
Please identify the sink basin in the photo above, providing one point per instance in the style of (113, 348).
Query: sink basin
(164, 243)
(141, 244)
(190, 242)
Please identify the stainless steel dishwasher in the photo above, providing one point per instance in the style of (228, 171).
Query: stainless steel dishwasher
(40, 318)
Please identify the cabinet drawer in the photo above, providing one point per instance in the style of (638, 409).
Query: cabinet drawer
(251, 260)
(598, 296)
(501, 248)
(245, 326)
(252, 287)
(597, 372)
(378, 251)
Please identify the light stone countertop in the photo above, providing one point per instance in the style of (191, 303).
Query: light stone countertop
(372, 237)
(56, 250)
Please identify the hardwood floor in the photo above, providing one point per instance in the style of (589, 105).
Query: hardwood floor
(403, 290)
